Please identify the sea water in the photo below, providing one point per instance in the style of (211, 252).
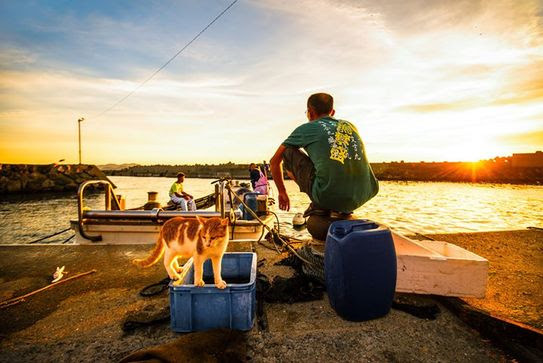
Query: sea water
(406, 207)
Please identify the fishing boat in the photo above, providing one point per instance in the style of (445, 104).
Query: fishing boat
(116, 225)
(423, 267)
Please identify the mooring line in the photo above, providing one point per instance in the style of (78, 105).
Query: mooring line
(51, 235)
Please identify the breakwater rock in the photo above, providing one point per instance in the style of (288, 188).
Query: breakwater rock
(25, 178)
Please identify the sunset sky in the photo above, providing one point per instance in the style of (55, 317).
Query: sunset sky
(422, 80)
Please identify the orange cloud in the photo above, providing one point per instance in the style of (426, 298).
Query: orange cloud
(526, 86)
(437, 107)
(531, 138)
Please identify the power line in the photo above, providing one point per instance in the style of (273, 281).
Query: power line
(168, 62)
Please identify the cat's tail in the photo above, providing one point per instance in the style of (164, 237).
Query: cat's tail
(154, 256)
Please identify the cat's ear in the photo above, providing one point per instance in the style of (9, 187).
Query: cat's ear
(224, 222)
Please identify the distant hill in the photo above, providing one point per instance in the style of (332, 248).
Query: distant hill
(497, 170)
(237, 171)
(116, 166)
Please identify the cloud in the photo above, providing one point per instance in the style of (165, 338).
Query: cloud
(525, 85)
(397, 69)
(15, 58)
(525, 139)
(437, 107)
(508, 85)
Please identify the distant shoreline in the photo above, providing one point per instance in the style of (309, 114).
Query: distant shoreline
(380, 179)
(34, 178)
(495, 171)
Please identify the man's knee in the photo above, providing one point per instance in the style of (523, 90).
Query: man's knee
(192, 205)
(288, 157)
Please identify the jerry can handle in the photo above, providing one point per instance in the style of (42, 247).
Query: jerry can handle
(362, 225)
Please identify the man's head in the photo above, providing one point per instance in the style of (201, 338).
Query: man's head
(252, 166)
(320, 105)
(180, 177)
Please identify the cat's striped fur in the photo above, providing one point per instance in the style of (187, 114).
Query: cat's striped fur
(200, 238)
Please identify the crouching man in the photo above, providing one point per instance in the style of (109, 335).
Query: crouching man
(333, 171)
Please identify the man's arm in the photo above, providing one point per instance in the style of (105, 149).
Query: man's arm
(277, 173)
(180, 194)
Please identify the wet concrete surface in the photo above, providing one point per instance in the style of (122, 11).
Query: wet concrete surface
(82, 319)
(515, 275)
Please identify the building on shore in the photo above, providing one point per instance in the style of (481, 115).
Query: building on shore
(528, 160)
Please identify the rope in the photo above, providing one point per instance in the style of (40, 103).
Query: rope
(69, 238)
(278, 223)
(51, 235)
(232, 207)
(156, 288)
(168, 62)
(272, 231)
(19, 299)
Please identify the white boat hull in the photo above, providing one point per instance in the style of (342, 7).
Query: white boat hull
(119, 232)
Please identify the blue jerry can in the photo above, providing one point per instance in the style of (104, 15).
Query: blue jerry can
(360, 269)
(251, 200)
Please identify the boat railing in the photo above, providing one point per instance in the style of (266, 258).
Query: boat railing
(156, 215)
(109, 197)
(220, 203)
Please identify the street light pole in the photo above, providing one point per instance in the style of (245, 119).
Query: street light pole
(79, 134)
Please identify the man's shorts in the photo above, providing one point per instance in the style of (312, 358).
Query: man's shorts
(301, 166)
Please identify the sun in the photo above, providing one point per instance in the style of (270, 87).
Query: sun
(475, 149)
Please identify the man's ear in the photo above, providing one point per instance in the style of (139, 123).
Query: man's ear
(224, 222)
(333, 113)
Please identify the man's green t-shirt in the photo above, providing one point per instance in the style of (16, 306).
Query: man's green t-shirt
(343, 177)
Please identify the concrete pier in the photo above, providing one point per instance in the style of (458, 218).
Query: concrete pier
(82, 319)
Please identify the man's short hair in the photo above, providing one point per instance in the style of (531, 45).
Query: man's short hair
(180, 174)
(322, 103)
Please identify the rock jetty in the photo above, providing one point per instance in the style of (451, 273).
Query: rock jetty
(25, 178)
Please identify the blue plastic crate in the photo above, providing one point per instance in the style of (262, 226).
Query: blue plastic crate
(202, 308)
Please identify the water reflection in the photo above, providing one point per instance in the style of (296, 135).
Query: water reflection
(405, 206)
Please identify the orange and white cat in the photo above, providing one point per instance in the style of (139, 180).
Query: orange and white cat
(199, 238)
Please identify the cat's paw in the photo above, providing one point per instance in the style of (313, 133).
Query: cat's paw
(177, 283)
(221, 284)
(200, 283)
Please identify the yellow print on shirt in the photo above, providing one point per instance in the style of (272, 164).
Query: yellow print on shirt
(344, 127)
(343, 136)
(342, 139)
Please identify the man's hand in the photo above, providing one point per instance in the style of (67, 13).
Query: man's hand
(284, 201)
(277, 173)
